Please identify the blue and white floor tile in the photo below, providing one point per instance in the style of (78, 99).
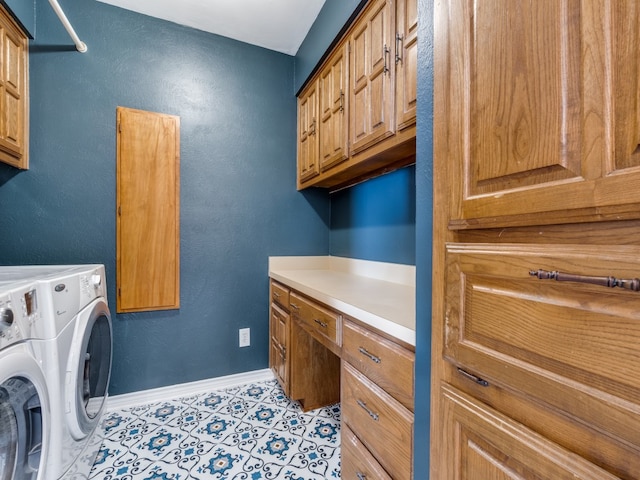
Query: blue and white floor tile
(251, 432)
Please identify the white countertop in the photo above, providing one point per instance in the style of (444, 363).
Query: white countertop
(379, 294)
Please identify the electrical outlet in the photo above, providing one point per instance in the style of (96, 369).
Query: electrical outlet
(244, 337)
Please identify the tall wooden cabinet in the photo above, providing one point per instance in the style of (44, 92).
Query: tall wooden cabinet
(14, 93)
(363, 121)
(535, 298)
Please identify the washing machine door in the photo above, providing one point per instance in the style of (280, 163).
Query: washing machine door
(89, 369)
(22, 406)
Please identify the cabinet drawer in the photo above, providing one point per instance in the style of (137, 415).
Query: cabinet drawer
(480, 442)
(389, 365)
(356, 461)
(383, 425)
(572, 346)
(279, 294)
(318, 319)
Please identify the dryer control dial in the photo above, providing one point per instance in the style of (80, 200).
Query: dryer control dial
(96, 280)
(6, 317)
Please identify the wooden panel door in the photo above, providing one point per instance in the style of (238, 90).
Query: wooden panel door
(279, 331)
(333, 109)
(481, 443)
(148, 226)
(14, 104)
(406, 59)
(542, 105)
(308, 150)
(372, 78)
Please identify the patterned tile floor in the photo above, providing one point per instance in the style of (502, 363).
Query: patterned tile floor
(251, 432)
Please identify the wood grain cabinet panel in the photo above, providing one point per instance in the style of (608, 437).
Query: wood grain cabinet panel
(406, 63)
(14, 93)
(571, 346)
(542, 105)
(386, 363)
(308, 143)
(323, 324)
(356, 462)
(334, 109)
(381, 423)
(481, 443)
(148, 211)
(372, 80)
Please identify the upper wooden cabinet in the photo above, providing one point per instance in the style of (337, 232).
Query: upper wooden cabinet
(333, 80)
(406, 61)
(14, 100)
(364, 118)
(372, 82)
(542, 103)
(308, 143)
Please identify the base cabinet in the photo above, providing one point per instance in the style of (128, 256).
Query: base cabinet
(321, 356)
(480, 442)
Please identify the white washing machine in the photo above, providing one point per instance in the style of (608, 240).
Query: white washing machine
(75, 353)
(24, 401)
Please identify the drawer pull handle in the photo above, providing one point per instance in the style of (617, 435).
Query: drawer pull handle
(276, 294)
(611, 282)
(363, 351)
(320, 322)
(361, 476)
(475, 378)
(366, 409)
(293, 305)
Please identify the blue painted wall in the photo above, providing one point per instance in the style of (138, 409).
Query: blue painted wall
(332, 17)
(424, 235)
(376, 220)
(238, 202)
(25, 13)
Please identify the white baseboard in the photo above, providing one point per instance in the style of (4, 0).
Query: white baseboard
(154, 395)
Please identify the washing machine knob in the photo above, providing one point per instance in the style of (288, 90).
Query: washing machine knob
(6, 317)
(96, 280)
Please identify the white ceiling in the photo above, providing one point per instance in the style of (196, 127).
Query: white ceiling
(279, 25)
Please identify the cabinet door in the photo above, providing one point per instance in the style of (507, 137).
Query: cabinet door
(333, 110)
(372, 105)
(307, 134)
(542, 111)
(279, 329)
(13, 93)
(148, 211)
(481, 443)
(406, 62)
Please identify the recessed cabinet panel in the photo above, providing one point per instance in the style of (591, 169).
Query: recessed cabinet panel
(334, 110)
(14, 100)
(372, 79)
(406, 63)
(148, 226)
(481, 443)
(573, 346)
(542, 104)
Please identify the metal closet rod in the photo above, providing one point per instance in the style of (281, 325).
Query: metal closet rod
(80, 45)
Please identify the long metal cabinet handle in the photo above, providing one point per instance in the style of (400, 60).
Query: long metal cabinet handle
(385, 52)
(611, 282)
(373, 415)
(364, 352)
(320, 322)
(361, 476)
(399, 40)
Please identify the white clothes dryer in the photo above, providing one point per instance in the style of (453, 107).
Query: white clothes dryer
(24, 401)
(75, 352)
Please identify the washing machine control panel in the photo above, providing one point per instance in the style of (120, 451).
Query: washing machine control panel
(18, 313)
